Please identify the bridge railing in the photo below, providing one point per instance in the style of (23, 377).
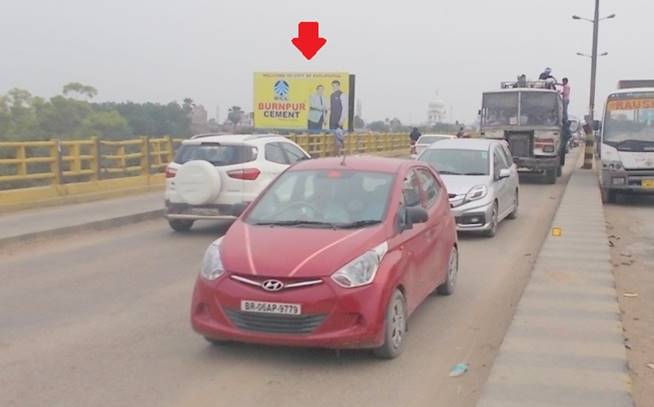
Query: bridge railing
(25, 164)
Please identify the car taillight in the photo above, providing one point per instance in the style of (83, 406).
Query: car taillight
(170, 172)
(246, 173)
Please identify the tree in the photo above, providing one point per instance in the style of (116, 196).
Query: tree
(62, 117)
(105, 124)
(395, 125)
(235, 115)
(88, 92)
(359, 123)
(378, 126)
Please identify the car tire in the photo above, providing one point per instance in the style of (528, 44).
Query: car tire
(180, 225)
(447, 288)
(494, 221)
(550, 176)
(608, 195)
(395, 327)
(217, 342)
(559, 171)
(514, 213)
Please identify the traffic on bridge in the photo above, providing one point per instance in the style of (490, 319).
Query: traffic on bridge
(299, 252)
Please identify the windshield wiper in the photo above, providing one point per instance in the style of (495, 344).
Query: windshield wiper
(449, 173)
(296, 223)
(474, 173)
(359, 224)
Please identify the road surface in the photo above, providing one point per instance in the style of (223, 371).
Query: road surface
(631, 232)
(102, 319)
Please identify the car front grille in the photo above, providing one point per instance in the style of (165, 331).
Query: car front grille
(275, 324)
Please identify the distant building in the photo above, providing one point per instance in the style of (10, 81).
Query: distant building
(436, 111)
(199, 118)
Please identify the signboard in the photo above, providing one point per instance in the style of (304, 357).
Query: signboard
(631, 104)
(312, 101)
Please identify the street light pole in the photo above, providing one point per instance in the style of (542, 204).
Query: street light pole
(590, 139)
(593, 66)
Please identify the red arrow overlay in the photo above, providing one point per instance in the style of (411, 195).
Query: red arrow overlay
(308, 41)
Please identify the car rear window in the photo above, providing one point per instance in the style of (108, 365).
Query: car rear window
(215, 153)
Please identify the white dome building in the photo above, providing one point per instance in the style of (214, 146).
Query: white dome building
(436, 111)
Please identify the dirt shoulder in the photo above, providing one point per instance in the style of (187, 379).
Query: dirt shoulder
(631, 233)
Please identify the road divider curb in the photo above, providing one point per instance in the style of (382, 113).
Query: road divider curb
(101, 224)
(565, 345)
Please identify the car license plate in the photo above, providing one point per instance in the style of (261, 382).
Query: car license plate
(647, 183)
(271, 307)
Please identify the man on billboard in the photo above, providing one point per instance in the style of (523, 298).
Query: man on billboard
(317, 109)
(338, 110)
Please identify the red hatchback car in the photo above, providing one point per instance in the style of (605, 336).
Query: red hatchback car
(334, 253)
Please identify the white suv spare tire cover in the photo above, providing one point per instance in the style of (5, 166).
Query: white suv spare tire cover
(198, 182)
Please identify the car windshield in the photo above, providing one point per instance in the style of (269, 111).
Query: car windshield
(324, 198)
(457, 162)
(500, 109)
(629, 124)
(539, 109)
(215, 153)
(430, 139)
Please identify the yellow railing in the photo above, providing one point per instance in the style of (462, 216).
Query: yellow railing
(25, 164)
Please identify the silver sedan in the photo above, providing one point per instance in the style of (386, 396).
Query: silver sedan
(481, 180)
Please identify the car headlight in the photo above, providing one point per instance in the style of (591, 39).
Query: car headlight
(361, 271)
(212, 264)
(613, 165)
(476, 193)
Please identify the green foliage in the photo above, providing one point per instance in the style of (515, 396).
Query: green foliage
(23, 116)
(105, 124)
(83, 90)
(379, 126)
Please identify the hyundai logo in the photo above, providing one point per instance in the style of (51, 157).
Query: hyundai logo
(272, 285)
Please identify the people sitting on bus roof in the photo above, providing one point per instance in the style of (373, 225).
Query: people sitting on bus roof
(521, 82)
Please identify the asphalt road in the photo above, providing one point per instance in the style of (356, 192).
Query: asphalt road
(102, 319)
(631, 233)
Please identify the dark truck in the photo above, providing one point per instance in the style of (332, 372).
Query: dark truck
(530, 119)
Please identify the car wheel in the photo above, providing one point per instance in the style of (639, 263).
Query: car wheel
(394, 327)
(559, 171)
(216, 342)
(516, 205)
(550, 176)
(608, 195)
(493, 227)
(447, 288)
(180, 225)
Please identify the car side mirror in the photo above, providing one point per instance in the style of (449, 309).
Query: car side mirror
(417, 214)
(505, 173)
(597, 125)
(410, 215)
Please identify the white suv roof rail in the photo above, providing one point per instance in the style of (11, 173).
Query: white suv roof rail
(197, 136)
(258, 136)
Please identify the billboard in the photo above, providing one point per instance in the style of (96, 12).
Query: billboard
(311, 101)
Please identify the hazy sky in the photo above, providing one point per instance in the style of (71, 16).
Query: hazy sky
(401, 51)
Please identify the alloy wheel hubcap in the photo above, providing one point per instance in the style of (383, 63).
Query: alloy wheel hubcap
(397, 323)
(453, 268)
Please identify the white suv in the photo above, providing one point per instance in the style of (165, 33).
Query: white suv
(216, 176)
